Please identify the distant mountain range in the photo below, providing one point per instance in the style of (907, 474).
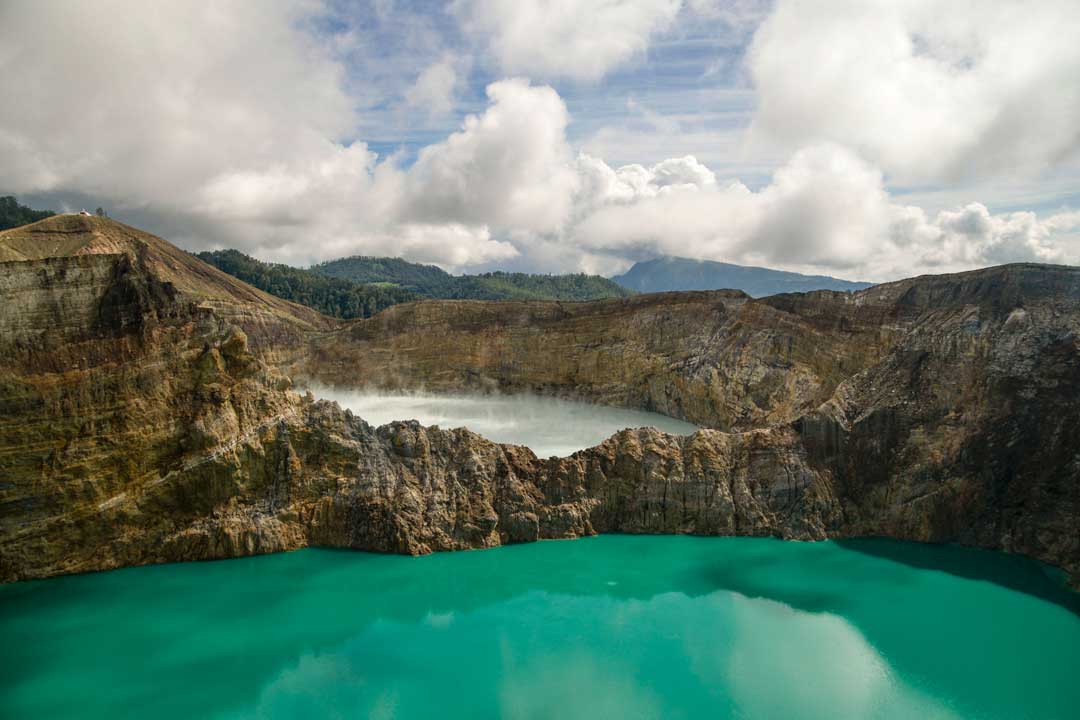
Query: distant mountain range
(361, 286)
(675, 273)
(428, 281)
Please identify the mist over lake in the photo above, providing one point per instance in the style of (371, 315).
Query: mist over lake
(548, 426)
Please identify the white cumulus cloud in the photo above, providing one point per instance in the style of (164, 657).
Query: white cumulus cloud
(507, 167)
(236, 125)
(580, 39)
(826, 210)
(435, 87)
(927, 90)
(124, 98)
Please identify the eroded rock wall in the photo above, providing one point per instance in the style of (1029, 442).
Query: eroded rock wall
(140, 423)
(166, 438)
(717, 358)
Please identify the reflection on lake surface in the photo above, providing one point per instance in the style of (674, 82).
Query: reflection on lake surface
(549, 426)
(616, 626)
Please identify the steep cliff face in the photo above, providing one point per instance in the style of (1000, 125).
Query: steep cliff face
(274, 327)
(967, 430)
(717, 358)
(938, 409)
(144, 416)
(111, 384)
(139, 427)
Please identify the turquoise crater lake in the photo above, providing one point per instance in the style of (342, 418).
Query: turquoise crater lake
(607, 627)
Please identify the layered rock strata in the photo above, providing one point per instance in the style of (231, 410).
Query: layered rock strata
(146, 413)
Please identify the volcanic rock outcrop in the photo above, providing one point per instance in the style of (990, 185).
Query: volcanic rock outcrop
(147, 413)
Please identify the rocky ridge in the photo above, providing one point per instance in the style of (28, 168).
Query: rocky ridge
(147, 415)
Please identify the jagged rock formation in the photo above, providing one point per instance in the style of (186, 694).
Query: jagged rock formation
(146, 413)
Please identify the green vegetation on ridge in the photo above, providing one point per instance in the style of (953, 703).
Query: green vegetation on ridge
(12, 214)
(331, 296)
(392, 270)
(432, 282)
(360, 287)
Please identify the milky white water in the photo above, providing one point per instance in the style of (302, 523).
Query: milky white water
(548, 426)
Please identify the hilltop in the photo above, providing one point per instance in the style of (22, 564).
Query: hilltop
(128, 251)
(668, 273)
(329, 295)
(429, 281)
(359, 287)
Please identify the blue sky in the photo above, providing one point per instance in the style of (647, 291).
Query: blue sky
(690, 74)
(869, 139)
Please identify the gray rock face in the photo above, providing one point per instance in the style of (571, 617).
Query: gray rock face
(145, 417)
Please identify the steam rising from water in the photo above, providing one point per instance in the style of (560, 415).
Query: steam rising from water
(549, 426)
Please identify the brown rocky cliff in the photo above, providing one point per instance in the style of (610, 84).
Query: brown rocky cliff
(141, 420)
(274, 327)
(717, 359)
(968, 430)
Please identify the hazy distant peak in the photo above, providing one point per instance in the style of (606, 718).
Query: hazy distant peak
(668, 273)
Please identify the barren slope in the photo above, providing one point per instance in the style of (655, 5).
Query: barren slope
(268, 320)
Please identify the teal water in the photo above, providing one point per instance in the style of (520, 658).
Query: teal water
(608, 627)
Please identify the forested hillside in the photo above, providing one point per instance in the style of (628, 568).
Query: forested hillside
(432, 282)
(332, 296)
(364, 269)
(12, 214)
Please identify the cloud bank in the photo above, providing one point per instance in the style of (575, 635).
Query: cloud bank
(926, 90)
(233, 126)
(825, 210)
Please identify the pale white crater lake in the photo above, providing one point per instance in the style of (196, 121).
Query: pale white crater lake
(548, 426)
